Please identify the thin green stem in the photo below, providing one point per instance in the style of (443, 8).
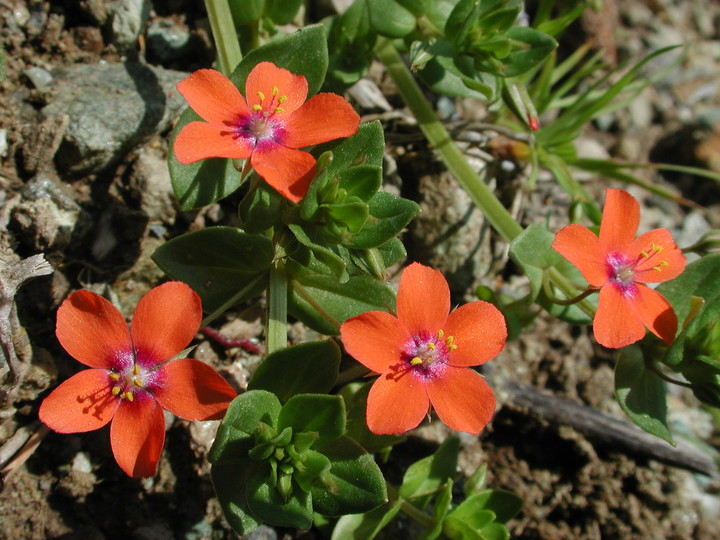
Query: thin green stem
(224, 34)
(276, 331)
(408, 509)
(232, 301)
(437, 135)
(351, 374)
(302, 292)
(562, 283)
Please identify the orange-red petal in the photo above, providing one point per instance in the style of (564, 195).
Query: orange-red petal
(322, 118)
(165, 321)
(478, 332)
(423, 299)
(137, 436)
(581, 247)
(656, 313)
(214, 97)
(658, 266)
(462, 399)
(374, 339)
(263, 81)
(620, 220)
(92, 330)
(616, 322)
(201, 140)
(397, 403)
(287, 170)
(193, 390)
(82, 403)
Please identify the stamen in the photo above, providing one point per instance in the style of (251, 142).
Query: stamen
(282, 99)
(416, 361)
(114, 376)
(431, 345)
(279, 109)
(451, 348)
(257, 107)
(659, 267)
(275, 91)
(644, 254)
(116, 390)
(261, 96)
(129, 396)
(137, 382)
(136, 370)
(441, 333)
(449, 340)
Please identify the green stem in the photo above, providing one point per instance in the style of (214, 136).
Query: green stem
(418, 516)
(223, 30)
(437, 135)
(316, 306)
(232, 301)
(276, 332)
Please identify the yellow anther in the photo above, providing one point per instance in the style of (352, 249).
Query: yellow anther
(656, 247)
(279, 109)
(644, 254)
(282, 99)
(451, 348)
(136, 370)
(449, 340)
(441, 333)
(116, 390)
(431, 345)
(129, 396)
(658, 268)
(257, 107)
(137, 382)
(416, 361)
(275, 91)
(114, 376)
(261, 96)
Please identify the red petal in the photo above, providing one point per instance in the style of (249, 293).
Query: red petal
(165, 321)
(620, 220)
(462, 399)
(287, 170)
(322, 118)
(193, 390)
(656, 313)
(616, 322)
(397, 403)
(201, 140)
(423, 299)
(478, 331)
(92, 330)
(137, 435)
(214, 97)
(374, 339)
(581, 247)
(267, 75)
(659, 266)
(82, 403)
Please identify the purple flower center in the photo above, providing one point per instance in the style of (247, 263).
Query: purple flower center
(427, 355)
(130, 380)
(623, 271)
(263, 124)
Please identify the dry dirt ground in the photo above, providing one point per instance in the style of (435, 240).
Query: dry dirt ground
(68, 486)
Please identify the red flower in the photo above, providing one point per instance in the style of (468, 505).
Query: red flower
(423, 356)
(267, 126)
(619, 265)
(133, 379)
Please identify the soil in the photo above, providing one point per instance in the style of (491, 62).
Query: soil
(574, 486)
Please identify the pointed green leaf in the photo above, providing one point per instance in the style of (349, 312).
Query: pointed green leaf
(230, 482)
(389, 215)
(389, 18)
(427, 475)
(265, 501)
(368, 525)
(319, 413)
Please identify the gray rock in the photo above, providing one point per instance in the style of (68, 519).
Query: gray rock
(47, 219)
(112, 108)
(167, 39)
(128, 19)
(39, 77)
(150, 183)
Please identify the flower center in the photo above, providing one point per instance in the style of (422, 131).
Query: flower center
(128, 381)
(623, 270)
(427, 354)
(262, 124)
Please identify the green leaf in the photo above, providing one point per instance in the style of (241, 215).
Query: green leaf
(229, 482)
(532, 47)
(388, 217)
(203, 182)
(641, 393)
(504, 504)
(461, 530)
(476, 482)
(339, 300)
(354, 484)
(389, 18)
(308, 368)
(314, 466)
(246, 11)
(318, 413)
(266, 502)
(219, 263)
(366, 147)
(234, 436)
(334, 263)
(260, 209)
(282, 11)
(440, 510)
(426, 476)
(532, 251)
(365, 526)
(303, 52)
(700, 278)
(361, 181)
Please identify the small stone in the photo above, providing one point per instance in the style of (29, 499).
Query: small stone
(150, 183)
(128, 19)
(39, 77)
(203, 433)
(167, 39)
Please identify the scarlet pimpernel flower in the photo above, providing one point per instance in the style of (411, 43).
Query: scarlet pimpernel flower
(133, 377)
(620, 265)
(269, 125)
(424, 356)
